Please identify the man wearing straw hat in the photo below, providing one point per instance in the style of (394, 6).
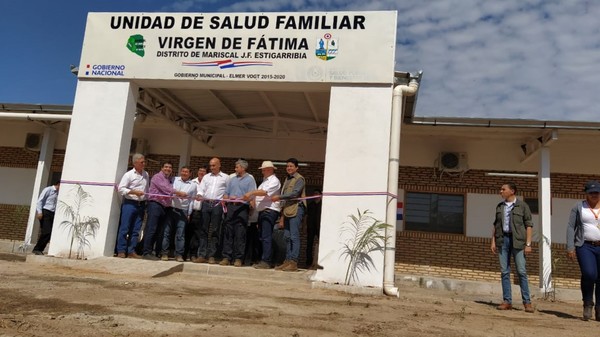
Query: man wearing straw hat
(268, 210)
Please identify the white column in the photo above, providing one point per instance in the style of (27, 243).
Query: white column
(358, 140)
(186, 150)
(96, 155)
(545, 200)
(41, 180)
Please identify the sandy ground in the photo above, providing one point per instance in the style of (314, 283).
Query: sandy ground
(51, 300)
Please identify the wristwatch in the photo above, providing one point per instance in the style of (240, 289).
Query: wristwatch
(528, 244)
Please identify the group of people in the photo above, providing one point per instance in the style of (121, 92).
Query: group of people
(208, 217)
(197, 212)
(512, 235)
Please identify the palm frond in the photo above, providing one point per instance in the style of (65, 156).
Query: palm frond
(79, 227)
(362, 237)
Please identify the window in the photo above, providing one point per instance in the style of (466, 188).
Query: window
(431, 212)
(533, 205)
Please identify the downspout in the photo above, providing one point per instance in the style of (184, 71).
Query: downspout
(35, 116)
(389, 259)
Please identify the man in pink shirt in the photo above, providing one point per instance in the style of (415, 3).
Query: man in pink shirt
(159, 204)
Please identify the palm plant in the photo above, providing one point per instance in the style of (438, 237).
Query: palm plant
(80, 227)
(362, 236)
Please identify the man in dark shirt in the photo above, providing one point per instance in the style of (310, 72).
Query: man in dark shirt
(313, 227)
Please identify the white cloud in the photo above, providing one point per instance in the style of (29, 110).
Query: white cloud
(534, 59)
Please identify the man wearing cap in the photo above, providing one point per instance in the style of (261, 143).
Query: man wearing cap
(292, 211)
(583, 243)
(512, 236)
(268, 210)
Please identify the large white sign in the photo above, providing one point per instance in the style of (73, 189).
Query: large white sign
(289, 47)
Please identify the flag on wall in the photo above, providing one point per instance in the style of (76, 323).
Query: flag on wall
(400, 211)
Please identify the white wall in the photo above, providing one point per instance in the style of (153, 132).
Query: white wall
(13, 133)
(98, 150)
(561, 208)
(494, 149)
(480, 216)
(356, 161)
(170, 140)
(17, 184)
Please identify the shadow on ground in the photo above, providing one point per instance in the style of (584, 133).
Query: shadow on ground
(12, 257)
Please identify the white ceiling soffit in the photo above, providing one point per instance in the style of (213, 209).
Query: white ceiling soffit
(248, 113)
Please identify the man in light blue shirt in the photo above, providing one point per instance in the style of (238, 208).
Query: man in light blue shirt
(236, 220)
(45, 208)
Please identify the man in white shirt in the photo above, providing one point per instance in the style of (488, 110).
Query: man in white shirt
(133, 187)
(268, 210)
(192, 230)
(179, 215)
(45, 209)
(211, 191)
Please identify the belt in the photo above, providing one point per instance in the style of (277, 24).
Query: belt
(593, 243)
(269, 210)
(507, 234)
(134, 202)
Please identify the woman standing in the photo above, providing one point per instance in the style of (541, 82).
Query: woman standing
(583, 242)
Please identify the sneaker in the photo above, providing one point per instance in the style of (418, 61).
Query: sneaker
(164, 257)
(179, 258)
(211, 260)
(224, 262)
(528, 307)
(292, 266)
(38, 252)
(150, 257)
(134, 256)
(262, 265)
(283, 265)
(120, 255)
(237, 263)
(504, 306)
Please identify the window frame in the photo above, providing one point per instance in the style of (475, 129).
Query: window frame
(406, 213)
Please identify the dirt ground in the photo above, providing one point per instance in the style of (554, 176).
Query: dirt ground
(51, 300)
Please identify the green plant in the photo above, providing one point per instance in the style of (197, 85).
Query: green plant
(80, 227)
(362, 236)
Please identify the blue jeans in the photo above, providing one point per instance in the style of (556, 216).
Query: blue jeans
(132, 213)
(519, 256)
(588, 257)
(291, 233)
(266, 222)
(155, 225)
(176, 222)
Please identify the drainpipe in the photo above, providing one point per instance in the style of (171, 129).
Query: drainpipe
(389, 259)
(35, 116)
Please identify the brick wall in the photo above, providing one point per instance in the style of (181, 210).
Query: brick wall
(13, 221)
(468, 258)
(475, 181)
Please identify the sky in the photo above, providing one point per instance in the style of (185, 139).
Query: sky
(529, 59)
